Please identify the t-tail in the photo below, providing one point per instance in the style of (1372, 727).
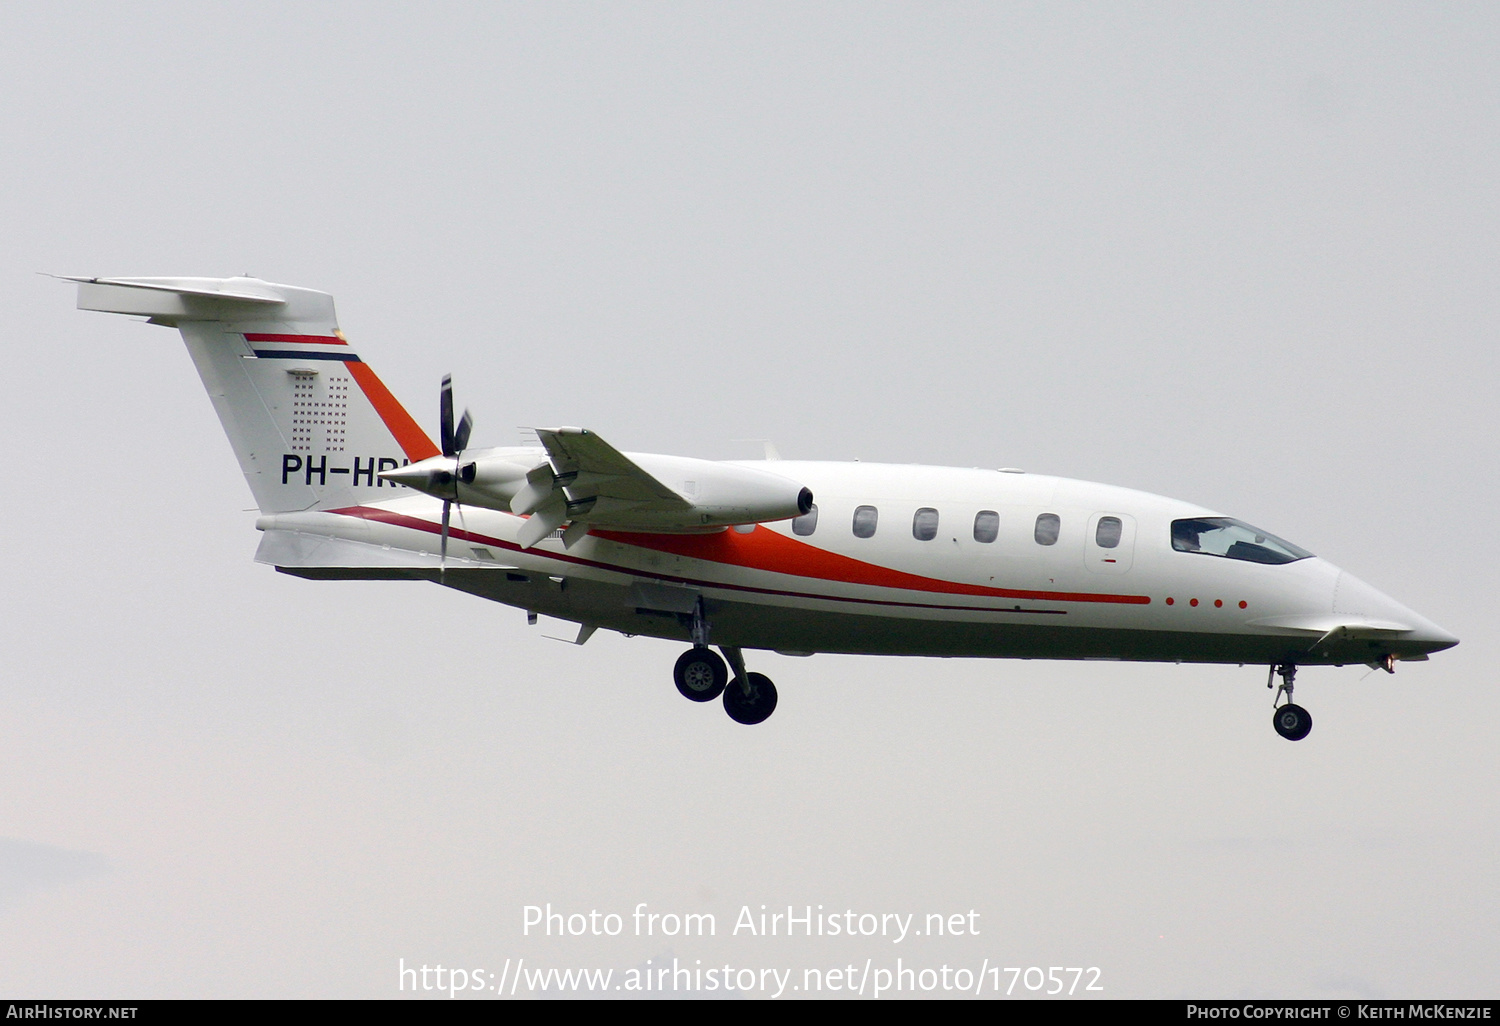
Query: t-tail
(310, 423)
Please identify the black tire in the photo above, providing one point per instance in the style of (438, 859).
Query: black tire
(700, 674)
(1292, 722)
(757, 706)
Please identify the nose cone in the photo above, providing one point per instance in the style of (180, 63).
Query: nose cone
(1408, 633)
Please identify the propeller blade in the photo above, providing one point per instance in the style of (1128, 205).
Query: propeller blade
(455, 441)
(445, 416)
(461, 436)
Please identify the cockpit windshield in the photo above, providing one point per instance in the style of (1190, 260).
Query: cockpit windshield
(1233, 539)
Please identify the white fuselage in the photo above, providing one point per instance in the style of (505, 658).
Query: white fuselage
(950, 592)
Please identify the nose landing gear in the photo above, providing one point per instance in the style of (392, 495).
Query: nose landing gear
(1290, 720)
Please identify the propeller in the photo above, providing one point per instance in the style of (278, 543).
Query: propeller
(455, 441)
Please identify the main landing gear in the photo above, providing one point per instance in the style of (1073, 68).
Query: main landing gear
(702, 676)
(1291, 720)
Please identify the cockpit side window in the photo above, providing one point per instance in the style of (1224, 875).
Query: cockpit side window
(1233, 539)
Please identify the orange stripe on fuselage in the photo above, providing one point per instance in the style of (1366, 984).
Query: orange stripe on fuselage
(409, 435)
(882, 577)
(765, 549)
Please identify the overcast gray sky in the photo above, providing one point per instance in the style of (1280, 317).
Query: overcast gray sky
(1240, 254)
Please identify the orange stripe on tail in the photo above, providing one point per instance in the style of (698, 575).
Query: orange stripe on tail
(409, 435)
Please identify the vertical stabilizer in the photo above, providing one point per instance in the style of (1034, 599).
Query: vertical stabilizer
(310, 423)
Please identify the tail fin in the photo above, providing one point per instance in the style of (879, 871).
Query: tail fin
(310, 423)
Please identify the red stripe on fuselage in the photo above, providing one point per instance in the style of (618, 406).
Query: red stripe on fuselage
(762, 549)
(321, 340)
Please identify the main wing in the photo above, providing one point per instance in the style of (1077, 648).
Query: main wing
(585, 482)
(589, 480)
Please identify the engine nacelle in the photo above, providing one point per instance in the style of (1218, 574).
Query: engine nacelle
(718, 495)
(649, 493)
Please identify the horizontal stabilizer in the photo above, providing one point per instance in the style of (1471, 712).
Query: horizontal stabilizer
(241, 290)
(176, 300)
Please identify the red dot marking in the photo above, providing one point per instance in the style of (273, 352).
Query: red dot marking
(1192, 602)
(1218, 603)
(1170, 601)
(1243, 603)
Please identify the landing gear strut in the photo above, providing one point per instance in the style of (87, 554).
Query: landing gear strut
(702, 676)
(1291, 720)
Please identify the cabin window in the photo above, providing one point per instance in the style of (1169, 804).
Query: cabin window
(1048, 525)
(864, 521)
(986, 526)
(1107, 534)
(807, 523)
(1233, 539)
(925, 524)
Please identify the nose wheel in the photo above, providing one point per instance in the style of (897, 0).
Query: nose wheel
(1290, 720)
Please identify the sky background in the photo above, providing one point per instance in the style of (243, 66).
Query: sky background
(1240, 254)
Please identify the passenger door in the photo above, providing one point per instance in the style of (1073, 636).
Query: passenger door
(1109, 546)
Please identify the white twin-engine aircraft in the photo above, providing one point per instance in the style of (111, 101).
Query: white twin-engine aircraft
(791, 556)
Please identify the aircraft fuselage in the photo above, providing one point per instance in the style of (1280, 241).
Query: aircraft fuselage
(949, 564)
